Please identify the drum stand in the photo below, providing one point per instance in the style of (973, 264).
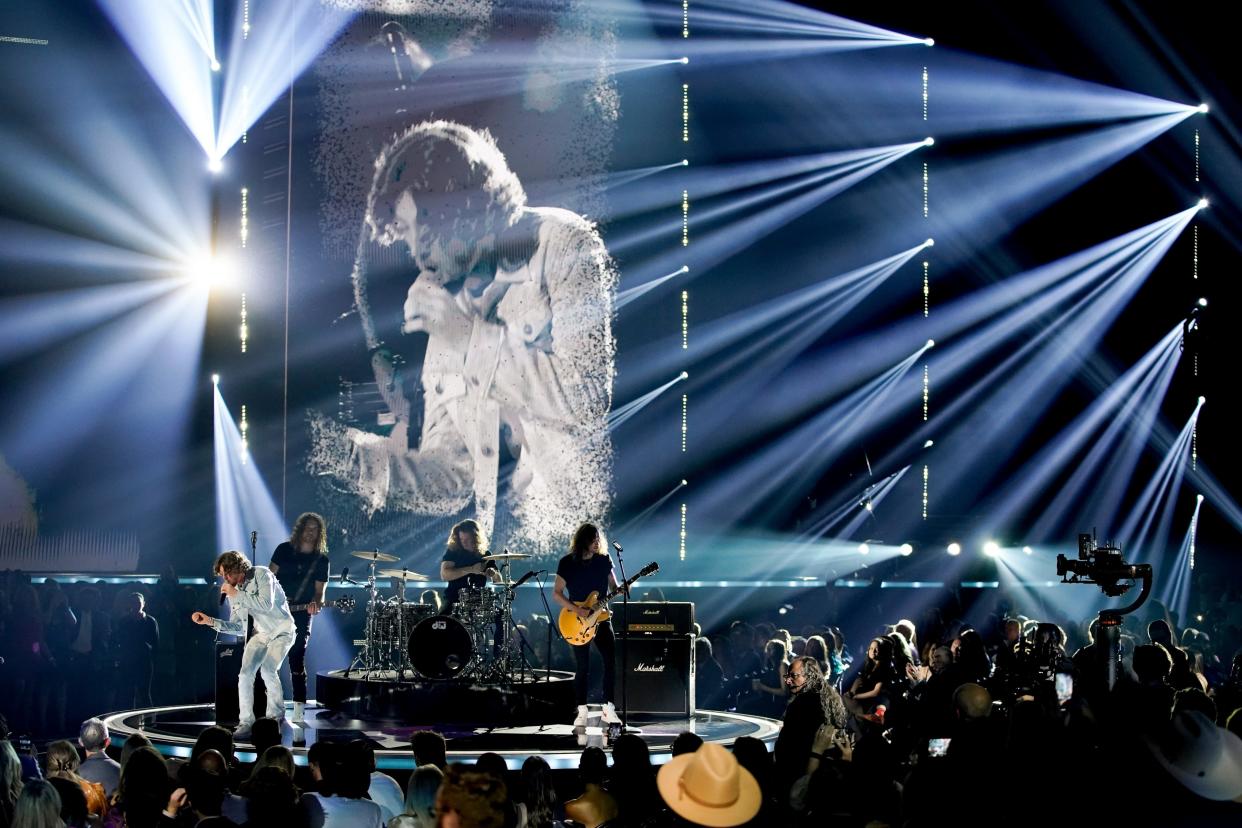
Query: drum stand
(366, 659)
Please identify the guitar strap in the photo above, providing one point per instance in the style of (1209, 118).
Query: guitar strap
(310, 570)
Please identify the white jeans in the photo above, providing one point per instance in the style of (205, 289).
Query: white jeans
(263, 655)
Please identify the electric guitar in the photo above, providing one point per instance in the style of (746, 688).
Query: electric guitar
(578, 631)
(345, 604)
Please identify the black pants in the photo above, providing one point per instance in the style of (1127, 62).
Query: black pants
(297, 654)
(582, 656)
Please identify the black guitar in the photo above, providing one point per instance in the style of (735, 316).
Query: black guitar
(345, 604)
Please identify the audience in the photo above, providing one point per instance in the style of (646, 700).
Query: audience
(38, 806)
(420, 799)
(98, 766)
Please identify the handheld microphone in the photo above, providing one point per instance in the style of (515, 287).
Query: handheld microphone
(222, 596)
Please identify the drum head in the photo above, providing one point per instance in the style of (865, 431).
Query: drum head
(440, 647)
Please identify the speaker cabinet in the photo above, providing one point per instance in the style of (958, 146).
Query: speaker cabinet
(659, 674)
(228, 667)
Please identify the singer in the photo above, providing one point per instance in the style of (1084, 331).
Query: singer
(254, 593)
(587, 569)
(300, 564)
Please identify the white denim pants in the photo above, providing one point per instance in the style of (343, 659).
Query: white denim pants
(263, 655)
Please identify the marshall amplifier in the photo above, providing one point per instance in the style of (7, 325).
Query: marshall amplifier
(228, 666)
(659, 675)
(656, 617)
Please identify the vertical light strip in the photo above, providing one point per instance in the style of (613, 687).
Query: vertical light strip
(685, 113)
(685, 320)
(685, 419)
(681, 546)
(1194, 272)
(245, 216)
(1194, 531)
(685, 218)
(925, 475)
(924, 93)
(924, 189)
(926, 288)
(245, 19)
(1194, 446)
(926, 390)
(1196, 156)
(685, 18)
(244, 330)
(244, 427)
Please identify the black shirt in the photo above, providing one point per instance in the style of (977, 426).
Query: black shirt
(458, 558)
(582, 577)
(297, 572)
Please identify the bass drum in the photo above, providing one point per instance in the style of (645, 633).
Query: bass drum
(440, 647)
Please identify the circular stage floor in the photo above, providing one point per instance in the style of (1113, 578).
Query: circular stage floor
(172, 730)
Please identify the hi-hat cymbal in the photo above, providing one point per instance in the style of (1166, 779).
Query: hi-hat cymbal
(403, 574)
(507, 556)
(375, 556)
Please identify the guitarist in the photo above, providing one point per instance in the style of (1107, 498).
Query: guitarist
(300, 564)
(586, 569)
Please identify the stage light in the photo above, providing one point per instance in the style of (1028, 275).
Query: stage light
(930, 41)
(683, 482)
(685, 268)
(929, 444)
(1202, 400)
(1203, 203)
(954, 548)
(1203, 108)
(683, 375)
(929, 141)
(215, 165)
(685, 162)
(931, 343)
(212, 271)
(215, 379)
(215, 65)
(863, 549)
(1199, 618)
(991, 549)
(929, 243)
(1202, 302)
(1028, 550)
(685, 60)
(1198, 498)
(906, 550)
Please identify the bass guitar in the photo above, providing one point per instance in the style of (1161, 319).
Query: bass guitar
(345, 604)
(578, 630)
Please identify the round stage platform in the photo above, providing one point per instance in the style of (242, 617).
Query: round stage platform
(172, 730)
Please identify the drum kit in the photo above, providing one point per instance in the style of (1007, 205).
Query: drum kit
(473, 640)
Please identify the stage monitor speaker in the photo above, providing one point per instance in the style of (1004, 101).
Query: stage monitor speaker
(659, 671)
(228, 666)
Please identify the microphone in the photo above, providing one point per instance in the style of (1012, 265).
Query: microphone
(527, 577)
(254, 540)
(617, 546)
(222, 596)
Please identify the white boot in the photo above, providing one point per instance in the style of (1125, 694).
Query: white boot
(582, 716)
(610, 714)
(299, 712)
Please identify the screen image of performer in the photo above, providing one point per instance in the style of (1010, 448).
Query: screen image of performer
(254, 593)
(301, 566)
(516, 303)
(586, 569)
(463, 565)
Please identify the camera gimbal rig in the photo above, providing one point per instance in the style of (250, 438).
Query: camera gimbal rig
(1103, 566)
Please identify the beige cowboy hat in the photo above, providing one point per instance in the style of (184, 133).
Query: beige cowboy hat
(709, 787)
(1205, 758)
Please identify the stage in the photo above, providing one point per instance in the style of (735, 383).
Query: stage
(173, 730)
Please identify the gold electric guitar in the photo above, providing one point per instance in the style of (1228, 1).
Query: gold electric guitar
(579, 631)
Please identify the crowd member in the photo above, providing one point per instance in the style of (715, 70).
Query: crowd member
(429, 749)
(10, 781)
(72, 804)
(814, 703)
(595, 806)
(98, 766)
(538, 806)
(470, 799)
(142, 793)
(420, 799)
(271, 798)
(709, 787)
(38, 806)
(63, 763)
(341, 771)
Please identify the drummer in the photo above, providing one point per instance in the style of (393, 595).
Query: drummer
(463, 565)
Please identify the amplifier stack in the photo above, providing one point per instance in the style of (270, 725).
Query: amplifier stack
(659, 662)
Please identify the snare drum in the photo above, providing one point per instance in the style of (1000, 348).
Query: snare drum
(440, 647)
(397, 621)
(477, 606)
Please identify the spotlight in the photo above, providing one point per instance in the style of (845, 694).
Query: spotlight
(683, 482)
(685, 60)
(683, 375)
(215, 165)
(215, 65)
(928, 41)
(863, 549)
(1202, 400)
(929, 243)
(1202, 302)
(215, 379)
(906, 550)
(1203, 203)
(685, 162)
(929, 141)
(1203, 108)
(211, 271)
(929, 444)
(784, 609)
(931, 343)
(1027, 550)
(954, 548)
(1199, 618)
(991, 549)
(685, 268)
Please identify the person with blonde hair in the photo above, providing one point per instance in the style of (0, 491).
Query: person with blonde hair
(254, 593)
(301, 566)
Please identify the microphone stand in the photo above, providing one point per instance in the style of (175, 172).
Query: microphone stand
(625, 639)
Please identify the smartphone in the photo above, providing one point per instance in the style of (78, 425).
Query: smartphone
(23, 744)
(1065, 687)
(938, 747)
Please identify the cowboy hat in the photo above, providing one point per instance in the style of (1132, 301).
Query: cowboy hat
(709, 787)
(1205, 758)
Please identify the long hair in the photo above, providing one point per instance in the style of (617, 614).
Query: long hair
(231, 561)
(62, 760)
(300, 524)
(10, 776)
(38, 806)
(584, 535)
(540, 796)
(420, 793)
(818, 685)
(481, 542)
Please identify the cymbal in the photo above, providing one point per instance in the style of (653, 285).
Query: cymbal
(403, 574)
(507, 556)
(375, 556)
